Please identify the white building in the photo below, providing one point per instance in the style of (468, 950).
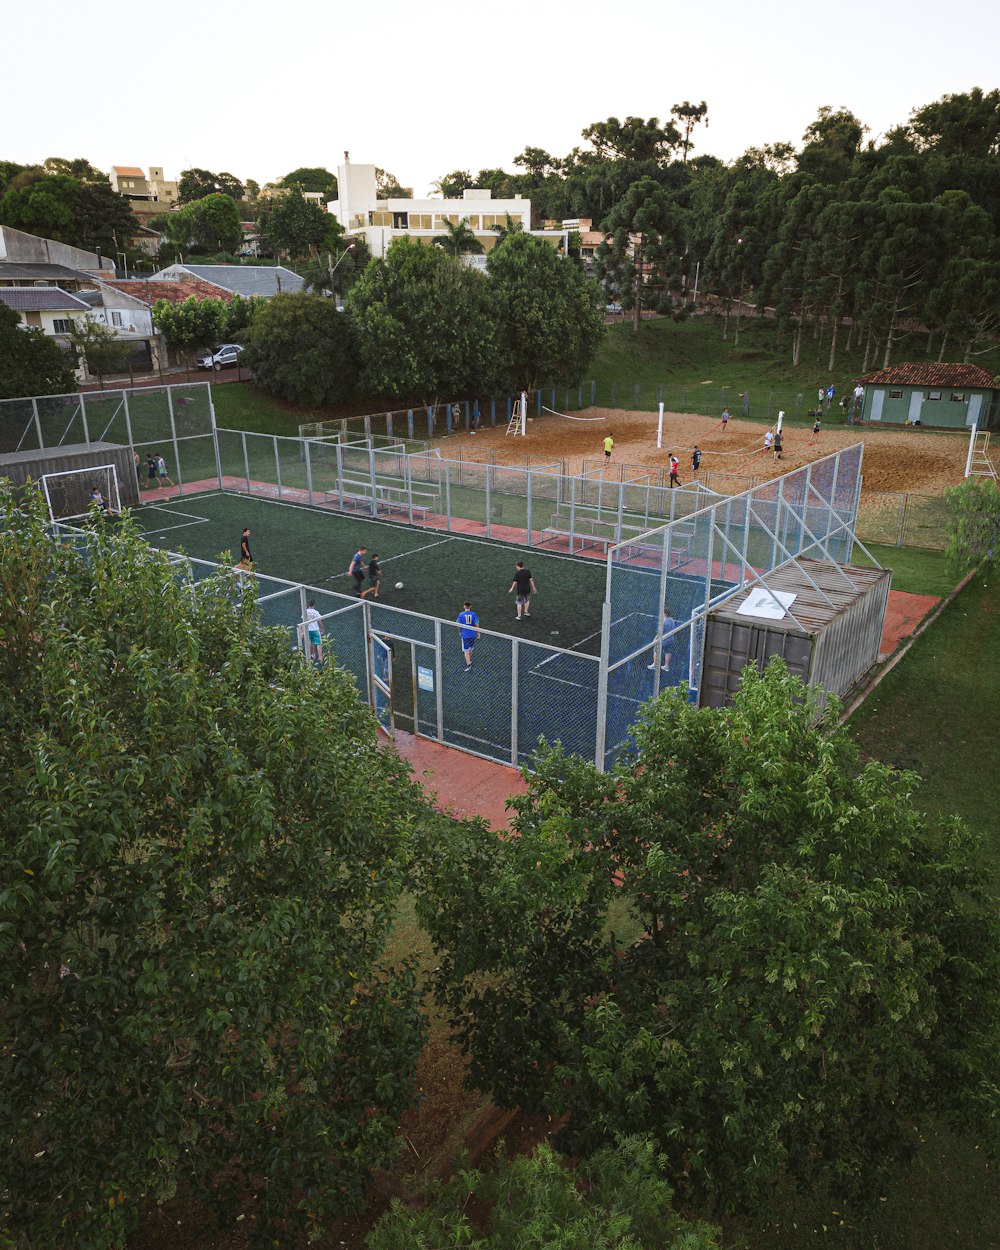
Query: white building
(379, 222)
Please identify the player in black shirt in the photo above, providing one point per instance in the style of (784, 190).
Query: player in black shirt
(524, 584)
(246, 558)
(374, 577)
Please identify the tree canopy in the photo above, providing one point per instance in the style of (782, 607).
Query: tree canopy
(31, 363)
(312, 178)
(549, 317)
(195, 184)
(295, 226)
(202, 848)
(300, 347)
(85, 214)
(424, 325)
(974, 523)
(190, 324)
(807, 970)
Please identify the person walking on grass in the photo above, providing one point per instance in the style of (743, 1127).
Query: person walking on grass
(246, 556)
(469, 631)
(525, 586)
(356, 569)
(675, 465)
(374, 577)
(609, 446)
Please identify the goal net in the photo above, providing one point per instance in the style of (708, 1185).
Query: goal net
(71, 494)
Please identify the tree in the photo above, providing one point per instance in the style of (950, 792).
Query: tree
(195, 184)
(212, 223)
(689, 115)
(46, 206)
(56, 206)
(458, 239)
(966, 125)
(387, 186)
(314, 178)
(973, 523)
(30, 363)
(296, 227)
(646, 230)
(190, 324)
(198, 886)
(616, 1200)
(633, 139)
(241, 313)
(452, 185)
(549, 317)
(424, 325)
(300, 347)
(816, 967)
(98, 347)
(79, 167)
(832, 142)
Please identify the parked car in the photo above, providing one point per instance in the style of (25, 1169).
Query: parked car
(221, 357)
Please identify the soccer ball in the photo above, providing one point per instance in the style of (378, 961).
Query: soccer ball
(399, 585)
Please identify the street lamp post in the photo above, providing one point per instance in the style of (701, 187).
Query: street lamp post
(333, 269)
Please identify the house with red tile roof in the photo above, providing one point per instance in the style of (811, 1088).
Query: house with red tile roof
(949, 396)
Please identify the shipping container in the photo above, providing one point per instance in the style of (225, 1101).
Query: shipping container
(828, 634)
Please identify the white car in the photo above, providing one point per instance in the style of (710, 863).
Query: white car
(224, 355)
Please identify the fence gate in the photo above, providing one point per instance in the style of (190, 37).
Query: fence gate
(381, 689)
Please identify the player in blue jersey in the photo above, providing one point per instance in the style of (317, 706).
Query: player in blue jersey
(469, 631)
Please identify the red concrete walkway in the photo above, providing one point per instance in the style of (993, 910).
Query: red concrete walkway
(461, 784)
(903, 614)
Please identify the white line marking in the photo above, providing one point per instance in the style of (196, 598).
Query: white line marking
(184, 525)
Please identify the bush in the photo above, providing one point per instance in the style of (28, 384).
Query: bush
(300, 347)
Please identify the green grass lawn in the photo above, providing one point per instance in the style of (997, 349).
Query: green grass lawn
(915, 570)
(936, 713)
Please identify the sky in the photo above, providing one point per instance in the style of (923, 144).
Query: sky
(422, 88)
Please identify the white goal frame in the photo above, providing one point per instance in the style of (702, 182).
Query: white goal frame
(104, 476)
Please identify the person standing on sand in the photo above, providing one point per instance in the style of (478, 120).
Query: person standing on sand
(609, 446)
(675, 465)
(725, 418)
(696, 459)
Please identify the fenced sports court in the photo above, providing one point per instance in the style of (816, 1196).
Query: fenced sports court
(607, 556)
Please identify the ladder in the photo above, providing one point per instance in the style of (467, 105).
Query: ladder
(979, 463)
(514, 425)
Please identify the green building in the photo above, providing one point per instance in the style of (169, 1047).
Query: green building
(945, 396)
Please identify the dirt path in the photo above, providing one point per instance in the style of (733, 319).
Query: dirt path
(896, 459)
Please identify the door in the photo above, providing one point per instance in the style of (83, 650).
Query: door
(381, 690)
(916, 403)
(878, 399)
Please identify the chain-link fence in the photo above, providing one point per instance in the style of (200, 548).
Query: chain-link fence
(175, 422)
(904, 520)
(663, 583)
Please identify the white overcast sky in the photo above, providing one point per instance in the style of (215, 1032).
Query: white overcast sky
(424, 87)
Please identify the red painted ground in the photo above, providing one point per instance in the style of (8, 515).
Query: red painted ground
(903, 614)
(461, 784)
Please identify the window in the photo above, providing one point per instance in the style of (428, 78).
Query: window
(958, 397)
(933, 396)
(60, 325)
(895, 394)
(116, 318)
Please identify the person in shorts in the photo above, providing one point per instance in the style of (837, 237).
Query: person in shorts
(161, 469)
(374, 577)
(609, 446)
(768, 440)
(246, 556)
(725, 418)
(356, 569)
(666, 645)
(696, 459)
(675, 467)
(469, 631)
(152, 473)
(314, 632)
(525, 586)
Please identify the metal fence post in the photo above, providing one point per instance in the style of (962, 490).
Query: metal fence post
(602, 688)
(83, 415)
(447, 497)
(173, 437)
(593, 394)
(409, 424)
(438, 692)
(309, 475)
(38, 424)
(277, 464)
(246, 459)
(531, 478)
(513, 702)
(489, 501)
